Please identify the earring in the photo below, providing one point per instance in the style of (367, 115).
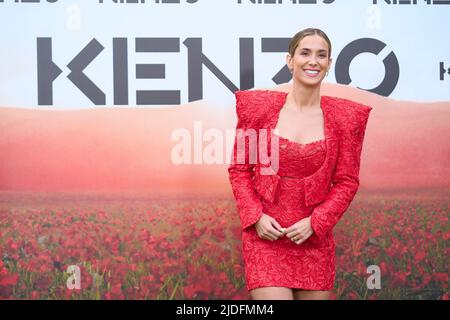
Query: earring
(327, 74)
(291, 70)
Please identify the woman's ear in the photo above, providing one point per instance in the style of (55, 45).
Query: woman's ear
(288, 60)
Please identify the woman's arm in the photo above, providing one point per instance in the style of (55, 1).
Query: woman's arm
(345, 180)
(241, 169)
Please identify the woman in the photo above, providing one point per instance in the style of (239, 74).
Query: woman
(311, 145)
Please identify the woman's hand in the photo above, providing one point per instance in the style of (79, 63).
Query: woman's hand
(300, 231)
(268, 228)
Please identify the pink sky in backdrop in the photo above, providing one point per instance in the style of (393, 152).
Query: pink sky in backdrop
(128, 149)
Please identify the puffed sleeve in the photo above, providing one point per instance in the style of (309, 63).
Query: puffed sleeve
(243, 159)
(345, 179)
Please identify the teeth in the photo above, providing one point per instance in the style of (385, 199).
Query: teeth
(311, 72)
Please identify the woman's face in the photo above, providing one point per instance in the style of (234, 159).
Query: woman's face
(311, 61)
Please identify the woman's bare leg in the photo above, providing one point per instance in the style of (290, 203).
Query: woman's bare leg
(311, 294)
(272, 293)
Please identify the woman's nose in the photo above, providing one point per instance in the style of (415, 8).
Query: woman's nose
(313, 61)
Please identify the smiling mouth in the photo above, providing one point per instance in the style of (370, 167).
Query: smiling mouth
(311, 73)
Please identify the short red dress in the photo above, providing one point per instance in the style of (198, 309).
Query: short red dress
(282, 263)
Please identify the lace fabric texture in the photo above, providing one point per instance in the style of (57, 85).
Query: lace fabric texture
(310, 265)
(282, 262)
(300, 160)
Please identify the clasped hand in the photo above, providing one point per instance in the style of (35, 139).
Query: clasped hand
(269, 229)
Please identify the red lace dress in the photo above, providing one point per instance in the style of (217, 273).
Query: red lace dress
(281, 262)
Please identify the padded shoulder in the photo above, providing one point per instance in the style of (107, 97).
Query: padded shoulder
(253, 106)
(351, 114)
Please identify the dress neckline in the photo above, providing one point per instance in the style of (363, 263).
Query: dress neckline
(300, 144)
(277, 117)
